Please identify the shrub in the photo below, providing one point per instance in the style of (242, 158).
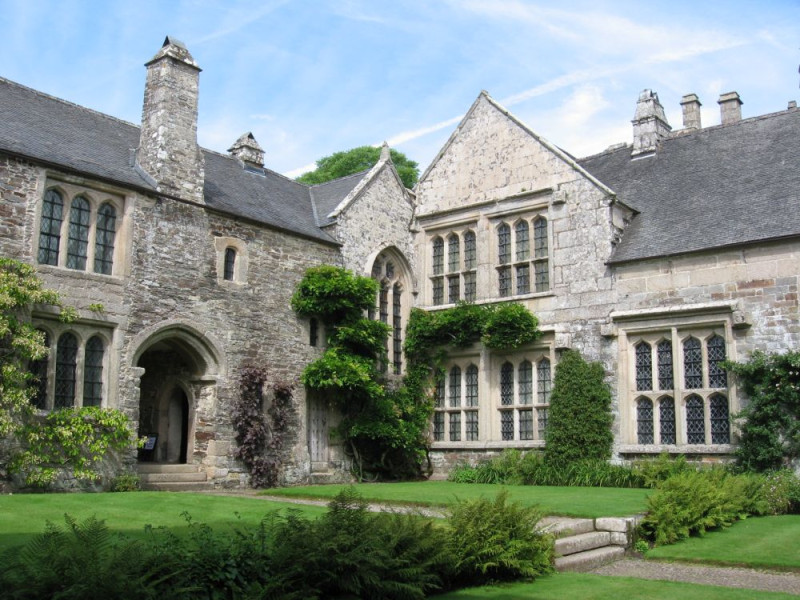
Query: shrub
(492, 540)
(654, 471)
(579, 425)
(782, 492)
(126, 482)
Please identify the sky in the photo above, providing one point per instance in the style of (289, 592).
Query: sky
(312, 77)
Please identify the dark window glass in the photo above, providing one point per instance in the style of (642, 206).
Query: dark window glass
(66, 367)
(541, 415)
(543, 381)
(39, 371)
(438, 290)
(523, 241)
(644, 421)
(438, 395)
(507, 384)
(541, 276)
(523, 279)
(667, 419)
(397, 329)
(720, 420)
(540, 238)
(695, 420)
(50, 228)
(453, 289)
(692, 364)
(455, 427)
(507, 425)
(504, 281)
(104, 239)
(717, 377)
(472, 386)
(383, 304)
(453, 254)
(470, 258)
(438, 256)
(313, 332)
(644, 367)
(93, 373)
(504, 244)
(525, 382)
(472, 425)
(665, 378)
(438, 426)
(470, 287)
(455, 386)
(230, 264)
(526, 424)
(390, 270)
(78, 240)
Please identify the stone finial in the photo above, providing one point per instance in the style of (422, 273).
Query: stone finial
(168, 150)
(247, 149)
(385, 152)
(730, 107)
(691, 111)
(650, 124)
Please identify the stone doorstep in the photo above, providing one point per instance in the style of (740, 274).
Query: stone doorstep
(174, 486)
(143, 468)
(590, 559)
(180, 477)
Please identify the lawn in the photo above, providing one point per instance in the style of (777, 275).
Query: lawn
(566, 501)
(755, 542)
(599, 587)
(23, 516)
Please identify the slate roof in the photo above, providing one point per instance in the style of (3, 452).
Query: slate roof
(59, 133)
(327, 196)
(714, 187)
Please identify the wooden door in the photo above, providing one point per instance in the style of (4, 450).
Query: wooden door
(318, 434)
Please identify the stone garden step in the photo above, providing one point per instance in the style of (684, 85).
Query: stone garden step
(585, 561)
(582, 542)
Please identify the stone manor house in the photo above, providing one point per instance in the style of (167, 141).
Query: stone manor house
(660, 259)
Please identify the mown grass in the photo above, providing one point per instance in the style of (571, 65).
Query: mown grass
(772, 542)
(565, 501)
(599, 587)
(23, 516)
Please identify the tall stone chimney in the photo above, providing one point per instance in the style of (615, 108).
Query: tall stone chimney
(247, 150)
(691, 111)
(730, 107)
(168, 150)
(649, 124)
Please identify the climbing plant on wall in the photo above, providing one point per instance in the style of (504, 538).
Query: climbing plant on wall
(385, 423)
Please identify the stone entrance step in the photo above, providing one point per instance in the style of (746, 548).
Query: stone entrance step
(172, 477)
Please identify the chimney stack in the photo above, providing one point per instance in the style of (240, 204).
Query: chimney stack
(691, 111)
(168, 150)
(650, 124)
(730, 107)
(247, 150)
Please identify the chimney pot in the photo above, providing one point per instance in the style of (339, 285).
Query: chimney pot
(691, 111)
(792, 105)
(730, 107)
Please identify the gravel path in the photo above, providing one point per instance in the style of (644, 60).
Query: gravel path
(788, 583)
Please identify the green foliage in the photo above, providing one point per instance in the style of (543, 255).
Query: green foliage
(497, 541)
(692, 502)
(20, 343)
(126, 482)
(96, 308)
(770, 423)
(782, 492)
(71, 438)
(341, 164)
(334, 294)
(509, 326)
(654, 471)
(579, 424)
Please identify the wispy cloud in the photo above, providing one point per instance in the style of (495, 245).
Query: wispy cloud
(237, 20)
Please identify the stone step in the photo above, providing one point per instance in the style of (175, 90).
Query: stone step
(174, 486)
(180, 477)
(566, 526)
(582, 542)
(590, 559)
(165, 468)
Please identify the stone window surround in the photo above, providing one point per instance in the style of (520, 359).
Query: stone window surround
(240, 267)
(83, 331)
(96, 194)
(511, 220)
(678, 323)
(444, 278)
(534, 357)
(398, 283)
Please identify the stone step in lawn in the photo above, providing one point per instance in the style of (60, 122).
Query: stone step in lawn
(591, 559)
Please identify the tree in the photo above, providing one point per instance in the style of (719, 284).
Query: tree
(341, 164)
(579, 424)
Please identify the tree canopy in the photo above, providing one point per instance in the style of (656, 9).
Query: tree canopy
(347, 162)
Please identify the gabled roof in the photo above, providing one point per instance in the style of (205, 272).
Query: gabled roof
(66, 136)
(327, 196)
(711, 188)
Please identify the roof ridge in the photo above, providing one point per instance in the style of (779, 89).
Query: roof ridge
(67, 102)
(358, 174)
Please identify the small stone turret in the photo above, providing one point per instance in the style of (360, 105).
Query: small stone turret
(650, 124)
(168, 150)
(247, 150)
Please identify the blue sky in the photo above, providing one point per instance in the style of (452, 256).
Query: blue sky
(312, 77)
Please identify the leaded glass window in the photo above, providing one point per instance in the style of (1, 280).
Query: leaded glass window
(438, 395)
(543, 384)
(455, 386)
(541, 276)
(93, 373)
(397, 328)
(470, 287)
(665, 378)
(438, 427)
(504, 280)
(507, 425)
(104, 239)
(471, 425)
(695, 420)
(717, 377)
(66, 367)
(383, 304)
(453, 288)
(525, 382)
(453, 254)
(438, 256)
(472, 386)
(39, 371)
(644, 421)
(692, 364)
(504, 244)
(666, 414)
(523, 247)
(470, 253)
(230, 264)
(526, 424)
(523, 279)
(50, 228)
(507, 384)
(389, 270)
(438, 290)
(540, 238)
(541, 415)
(455, 426)
(644, 367)
(720, 420)
(78, 239)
